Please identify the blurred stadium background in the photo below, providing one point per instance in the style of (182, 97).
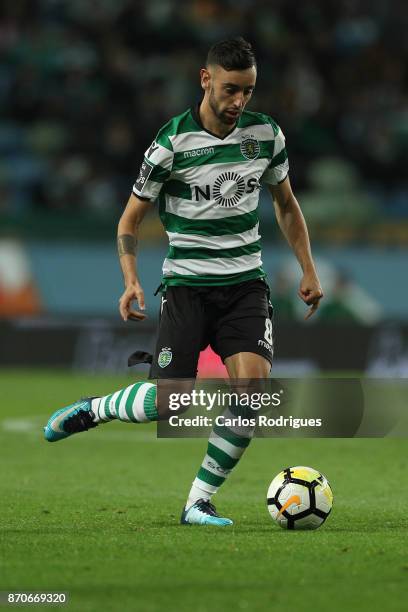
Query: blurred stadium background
(84, 87)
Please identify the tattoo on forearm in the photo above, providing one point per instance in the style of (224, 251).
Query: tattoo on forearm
(127, 245)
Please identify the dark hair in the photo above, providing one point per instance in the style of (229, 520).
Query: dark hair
(232, 54)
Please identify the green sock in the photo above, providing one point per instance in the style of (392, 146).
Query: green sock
(225, 448)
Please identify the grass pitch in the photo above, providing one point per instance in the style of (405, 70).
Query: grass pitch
(97, 515)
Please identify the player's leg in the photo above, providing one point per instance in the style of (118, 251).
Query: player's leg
(247, 366)
(142, 402)
(226, 445)
(133, 404)
(254, 334)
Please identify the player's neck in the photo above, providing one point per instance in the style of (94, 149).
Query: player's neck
(211, 122)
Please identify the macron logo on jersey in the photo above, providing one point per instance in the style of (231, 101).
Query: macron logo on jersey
(198, 152)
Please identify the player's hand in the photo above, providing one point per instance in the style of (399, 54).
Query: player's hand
(311, 293)
(132, 292)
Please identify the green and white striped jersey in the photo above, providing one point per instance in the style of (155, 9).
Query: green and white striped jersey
(208, 193)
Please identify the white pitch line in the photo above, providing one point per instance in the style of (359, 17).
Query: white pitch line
(22, 425)
(32, 426)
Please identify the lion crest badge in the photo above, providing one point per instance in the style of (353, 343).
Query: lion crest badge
(250, 147)
(165, 357)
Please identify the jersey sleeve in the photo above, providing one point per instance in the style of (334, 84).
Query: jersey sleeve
(155, 169)
(278, 168)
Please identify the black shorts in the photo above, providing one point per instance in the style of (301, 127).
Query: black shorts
(230, 318)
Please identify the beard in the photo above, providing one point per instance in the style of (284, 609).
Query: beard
(221, 115)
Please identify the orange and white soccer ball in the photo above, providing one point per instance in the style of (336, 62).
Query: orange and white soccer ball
(299, 498)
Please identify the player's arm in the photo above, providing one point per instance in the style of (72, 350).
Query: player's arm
(128, 231)
(154, 171)
(293, 226)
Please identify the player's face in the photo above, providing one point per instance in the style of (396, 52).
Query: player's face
(229, 91)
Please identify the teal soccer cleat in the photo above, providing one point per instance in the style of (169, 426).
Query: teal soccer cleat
(203, 513)
(69, 420)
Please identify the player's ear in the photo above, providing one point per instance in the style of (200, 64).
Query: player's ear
(205, 78)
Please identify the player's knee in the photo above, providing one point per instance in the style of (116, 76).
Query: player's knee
(173, 397)
(246, 366)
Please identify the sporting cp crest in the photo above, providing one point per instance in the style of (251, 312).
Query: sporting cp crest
(165, 357)
(250, 147)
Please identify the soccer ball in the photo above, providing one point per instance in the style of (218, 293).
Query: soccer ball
(299, 498)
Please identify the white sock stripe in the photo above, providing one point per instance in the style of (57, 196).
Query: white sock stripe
(95, 403)
(195, 494)
(204, 486)
(112, 402)
(138, 404)
(122, 404)
(233, 451)
(97, 409)
(98, 413)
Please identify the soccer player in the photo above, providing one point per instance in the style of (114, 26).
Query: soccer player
(205, 169)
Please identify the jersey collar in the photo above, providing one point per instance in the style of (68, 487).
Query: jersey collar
(196, 116)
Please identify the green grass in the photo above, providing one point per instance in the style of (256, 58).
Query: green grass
(97, 516)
